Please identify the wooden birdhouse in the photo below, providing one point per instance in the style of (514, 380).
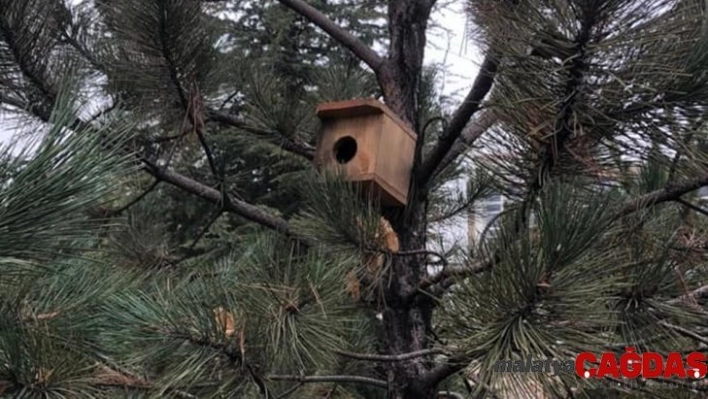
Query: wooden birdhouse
(372, 146)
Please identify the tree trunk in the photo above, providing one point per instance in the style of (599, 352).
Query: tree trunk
(407, 318)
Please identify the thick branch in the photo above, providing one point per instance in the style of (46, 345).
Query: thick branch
(238, 207)
(455, 271)
(429, 3)
(356, 46)
(469, 135)
(670, 193)
(480, 88)
(331, 378)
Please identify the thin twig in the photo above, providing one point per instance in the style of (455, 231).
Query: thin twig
(489, 390)
(432, 120)
(685, 332)
(455, 271)
(258, 381)
(228, 99)
(416, 252)
(390, 358)
(301, 149)
(102, 112)
(468, 202)
(692, 206)
(290, 391)
(131, 380)
(135, 200)
(189, 253)
(331, 378)
(445, 369)
(195, 113)
(449, 394)
(697, 293)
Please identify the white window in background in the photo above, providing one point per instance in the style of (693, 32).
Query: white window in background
(533, 219)
(486, 215)
(487, 221)
(703, 193)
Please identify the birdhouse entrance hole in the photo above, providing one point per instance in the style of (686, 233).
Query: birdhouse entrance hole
(345, 149)
(370, 144)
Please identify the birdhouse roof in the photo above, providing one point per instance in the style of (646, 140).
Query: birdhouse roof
(360, 107)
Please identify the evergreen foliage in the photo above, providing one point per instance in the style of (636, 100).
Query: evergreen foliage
(164, 234)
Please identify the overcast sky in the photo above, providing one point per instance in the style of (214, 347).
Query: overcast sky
(447, 46)
(453, 48)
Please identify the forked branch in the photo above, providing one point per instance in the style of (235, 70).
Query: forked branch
(460, 119)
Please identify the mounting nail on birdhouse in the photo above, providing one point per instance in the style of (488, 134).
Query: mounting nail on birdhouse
(370, 144)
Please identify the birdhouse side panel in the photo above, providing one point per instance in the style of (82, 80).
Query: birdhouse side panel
(379, 191)
(395, 158)
(350, 144)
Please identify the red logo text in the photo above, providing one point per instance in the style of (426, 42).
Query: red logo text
(646, 365)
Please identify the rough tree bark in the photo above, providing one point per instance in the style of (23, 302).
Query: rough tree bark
(408, 314)
(407, 318)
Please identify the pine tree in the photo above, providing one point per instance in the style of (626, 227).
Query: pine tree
(164, 234)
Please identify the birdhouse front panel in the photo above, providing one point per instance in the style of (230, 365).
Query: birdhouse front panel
(350, 144)
(370, 144)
